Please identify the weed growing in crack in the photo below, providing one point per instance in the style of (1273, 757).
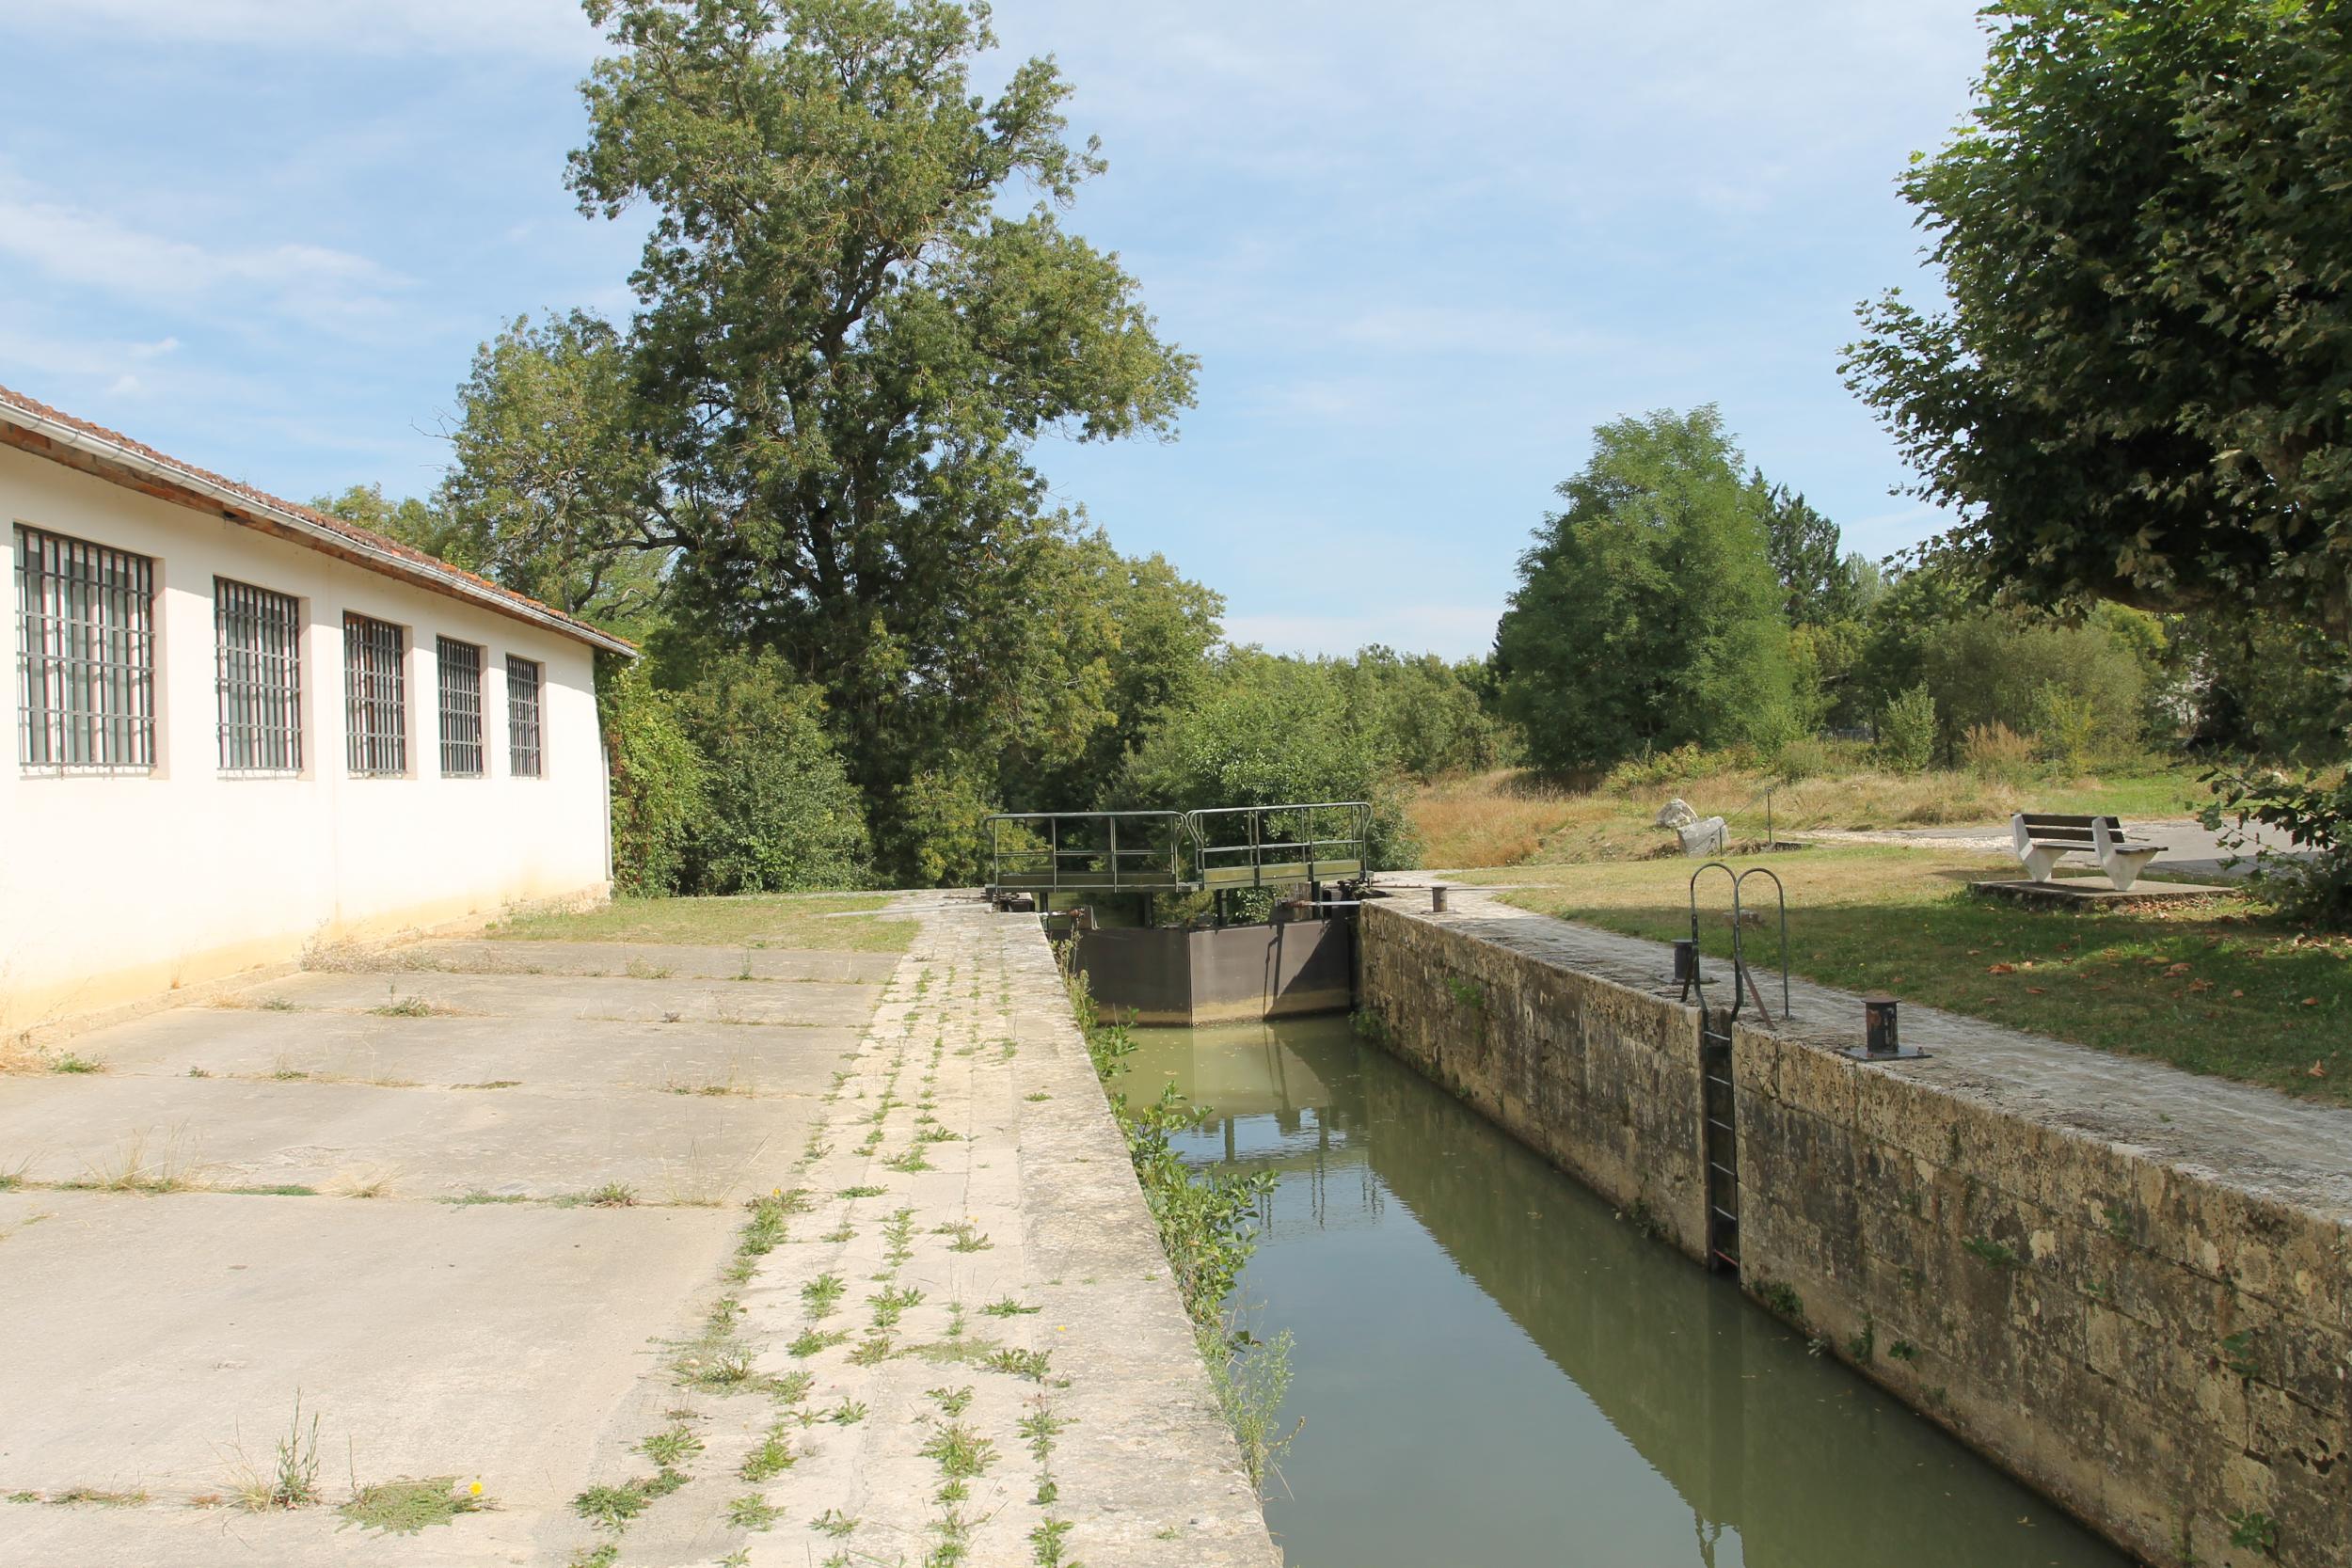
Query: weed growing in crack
(771, 1458)
(847, 1413)
(898, 1233)
(863, 1191)
(668, 1447)
(612, 1195)
(406, 1007)
(809, 1342)
(408, 1507)
(611, 1507)
(753, 1511)
(293, 1479)
(821, 1295)
(1031, 1364)
(968, 1237)
(1047, 1544)
(891, 1304)
(1250, 1376)
(1007, 1308)
(836, 1524)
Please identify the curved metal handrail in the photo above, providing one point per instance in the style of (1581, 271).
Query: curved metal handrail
(1782, 893)
(1698, 975)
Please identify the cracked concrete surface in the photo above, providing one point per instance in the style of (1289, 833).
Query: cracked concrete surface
(536, 1343)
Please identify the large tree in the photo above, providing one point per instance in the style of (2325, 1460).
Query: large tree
(849, 335)
(2140, 385)
(550, 488)
(1647, 613)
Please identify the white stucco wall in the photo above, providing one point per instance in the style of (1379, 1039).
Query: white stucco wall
(117, 888)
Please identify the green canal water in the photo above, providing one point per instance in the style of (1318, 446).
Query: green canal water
(1495, 1371)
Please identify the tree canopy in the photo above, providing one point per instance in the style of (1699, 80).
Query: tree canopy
(848, 338)
(1647, 613)
(2139, 386)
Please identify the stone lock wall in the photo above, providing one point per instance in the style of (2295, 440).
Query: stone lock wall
(2162, 1349)
(1602, 1081)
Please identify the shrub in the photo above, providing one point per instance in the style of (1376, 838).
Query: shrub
(2068, 723)
(1998, 667)
(937, 823)
(1997, 753)
(1907, 732)
(1267, 733)
(780, 814)
(1801, 759)
(1653, 768)
(2315, 815)
(658, 781)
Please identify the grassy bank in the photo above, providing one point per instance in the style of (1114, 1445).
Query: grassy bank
(2219, 988)
(1514, 819)
(830, 922)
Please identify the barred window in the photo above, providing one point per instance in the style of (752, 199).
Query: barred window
(461, 708)
(375, 697)
(85, 654)
(522, 718)
(258, 658)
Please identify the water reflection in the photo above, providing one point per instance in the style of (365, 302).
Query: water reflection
(1494, 1369)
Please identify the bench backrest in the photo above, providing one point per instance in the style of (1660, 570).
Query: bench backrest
(2049, 828)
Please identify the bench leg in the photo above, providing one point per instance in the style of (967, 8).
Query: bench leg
(2039, 861)
(2123, 866)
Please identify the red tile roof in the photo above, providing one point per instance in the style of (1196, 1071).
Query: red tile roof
(370, 548)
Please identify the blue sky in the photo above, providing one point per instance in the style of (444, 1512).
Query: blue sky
(1422, 251)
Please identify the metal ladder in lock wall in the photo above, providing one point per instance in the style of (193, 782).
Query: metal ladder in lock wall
(1719, 1125)
(1720, 1140)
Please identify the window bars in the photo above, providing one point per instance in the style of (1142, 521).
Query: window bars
(460, 666)
(85, 654)
(522, 719)
(258, 659)
(375, 697)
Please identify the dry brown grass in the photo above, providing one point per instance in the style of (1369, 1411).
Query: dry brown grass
(1514, 819)
(1490, 819)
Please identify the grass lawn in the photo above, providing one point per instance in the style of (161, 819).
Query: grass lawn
(2222, 988)
(828, 922)
(1511, 818)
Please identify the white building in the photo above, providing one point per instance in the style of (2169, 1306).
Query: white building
(243, 728)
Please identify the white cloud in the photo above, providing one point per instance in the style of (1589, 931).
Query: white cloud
(536, 27)
(84, 249)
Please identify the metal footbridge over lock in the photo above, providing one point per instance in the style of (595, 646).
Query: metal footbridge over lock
(1046, 854)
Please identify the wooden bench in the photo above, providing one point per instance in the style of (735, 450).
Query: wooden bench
(2042, 838)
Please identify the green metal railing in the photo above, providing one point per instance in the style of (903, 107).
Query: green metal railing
(1049, 852)
(1088, 851)
(1277, 846)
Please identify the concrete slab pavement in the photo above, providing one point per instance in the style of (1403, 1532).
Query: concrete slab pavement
(411, 1143)
(649, 960)
(993, 1274)
(556, 996)
(561, 1056)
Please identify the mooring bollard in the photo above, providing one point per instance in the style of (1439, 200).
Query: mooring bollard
(1879, 1034)
(1686, 963)
(1436, 899)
